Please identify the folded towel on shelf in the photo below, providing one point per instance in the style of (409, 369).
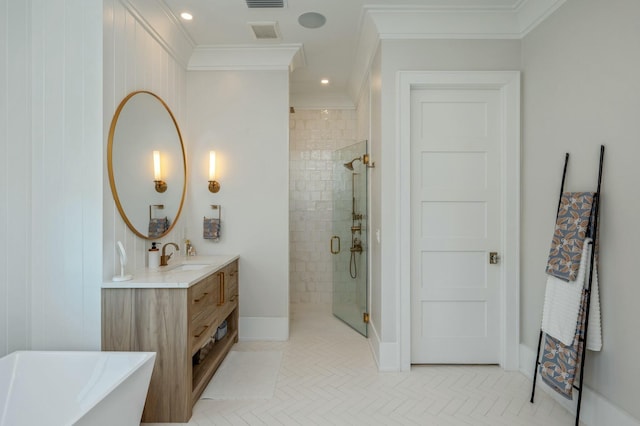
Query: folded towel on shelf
(158, 226)
(569, 234)
(211, 229)
(563, 303)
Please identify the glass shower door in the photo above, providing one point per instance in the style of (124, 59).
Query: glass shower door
(349, 243)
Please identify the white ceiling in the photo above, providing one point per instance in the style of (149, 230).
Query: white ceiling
(329, 51)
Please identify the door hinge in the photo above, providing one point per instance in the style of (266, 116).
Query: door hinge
(365, 317)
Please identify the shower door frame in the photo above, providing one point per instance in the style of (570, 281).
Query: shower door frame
(350, 212)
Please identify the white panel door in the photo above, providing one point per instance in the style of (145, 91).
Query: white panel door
(455, 224)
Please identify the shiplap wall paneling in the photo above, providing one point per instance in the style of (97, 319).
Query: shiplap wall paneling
(66, 190)
(134, 60)
(15, 178)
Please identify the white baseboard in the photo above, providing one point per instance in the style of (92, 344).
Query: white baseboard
(385, 354)
(263, 328)
(595, 410)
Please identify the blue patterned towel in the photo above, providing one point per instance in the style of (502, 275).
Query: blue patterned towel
(561, 363)
(158, 226)
(211, 229)
(569, 234)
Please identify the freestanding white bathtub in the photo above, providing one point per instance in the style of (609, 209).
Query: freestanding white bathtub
(74, 388)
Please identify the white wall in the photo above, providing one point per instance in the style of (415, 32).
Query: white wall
(51, 111)
(244, 117)
(581, 89)
(136, 58)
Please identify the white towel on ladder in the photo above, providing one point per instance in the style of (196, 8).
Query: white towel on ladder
(562, 304)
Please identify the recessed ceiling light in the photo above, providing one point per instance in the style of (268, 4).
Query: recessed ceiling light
(324, 81)
(312, 20)
(186, 16)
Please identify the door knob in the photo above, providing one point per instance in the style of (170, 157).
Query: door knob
(493, 258)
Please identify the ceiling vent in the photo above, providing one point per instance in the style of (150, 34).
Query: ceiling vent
(256, 4)
(265, 30)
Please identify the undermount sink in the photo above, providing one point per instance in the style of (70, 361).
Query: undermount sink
(189, 267)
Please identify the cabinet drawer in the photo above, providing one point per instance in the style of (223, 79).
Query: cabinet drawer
(203, 296)
(202, 328)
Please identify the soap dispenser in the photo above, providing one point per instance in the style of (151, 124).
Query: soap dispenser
(154, 257)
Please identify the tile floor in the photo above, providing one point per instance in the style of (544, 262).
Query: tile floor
(328, 377)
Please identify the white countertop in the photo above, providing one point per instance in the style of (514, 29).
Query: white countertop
(169, 277)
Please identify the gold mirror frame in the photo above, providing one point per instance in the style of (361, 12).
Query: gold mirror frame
(112, 183)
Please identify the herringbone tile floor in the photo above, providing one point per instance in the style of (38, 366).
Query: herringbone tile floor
(328, 377)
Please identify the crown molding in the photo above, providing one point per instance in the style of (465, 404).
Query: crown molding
(424, 22)
(441, 22)
(531, 13)
(368, 41)
(247, 57)
(163, 26)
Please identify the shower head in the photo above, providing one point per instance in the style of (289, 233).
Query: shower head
(349, 165)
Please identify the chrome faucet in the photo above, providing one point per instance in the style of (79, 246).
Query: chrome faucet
(164, 259)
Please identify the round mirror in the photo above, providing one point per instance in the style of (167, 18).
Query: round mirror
(147, 165)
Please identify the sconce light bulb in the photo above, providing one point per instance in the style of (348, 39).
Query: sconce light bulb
(161, 186)
(214, 186)
(212, 165)
(156, 166)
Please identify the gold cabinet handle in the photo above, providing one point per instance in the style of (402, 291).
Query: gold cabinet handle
(201, 297)
(221, 302)
(335, 237)
(201, 332)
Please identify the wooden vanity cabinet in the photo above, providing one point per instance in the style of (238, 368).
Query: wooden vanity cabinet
(175, 323)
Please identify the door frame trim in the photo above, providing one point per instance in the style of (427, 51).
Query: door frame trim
(508, 83)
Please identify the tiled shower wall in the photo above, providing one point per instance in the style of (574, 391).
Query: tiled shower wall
(314, 136)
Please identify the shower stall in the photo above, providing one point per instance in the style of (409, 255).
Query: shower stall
(349, 244)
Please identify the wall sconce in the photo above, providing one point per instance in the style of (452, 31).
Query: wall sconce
(161, 185)
(214, 186)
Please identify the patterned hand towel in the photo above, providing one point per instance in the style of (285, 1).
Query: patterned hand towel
(158, 226)
(211, 229)
(569, 234)
(560, 363)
